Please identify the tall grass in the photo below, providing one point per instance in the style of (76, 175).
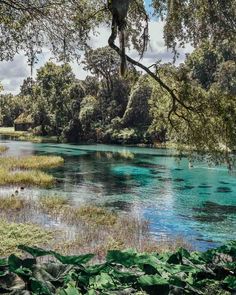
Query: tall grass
(31, 162)
(3, 149)
(83, 229)
(24, 170)
(26, 178)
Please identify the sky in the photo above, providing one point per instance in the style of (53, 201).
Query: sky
(13, 73)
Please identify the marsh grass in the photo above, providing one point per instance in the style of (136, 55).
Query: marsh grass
(13, 202)
(84, 229)
(30, 177)
(90, 215)
(12, 234)
(3, 149)
(31, 162)
(24, 171)
(53, 204)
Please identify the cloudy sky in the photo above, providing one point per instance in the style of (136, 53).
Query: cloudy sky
(13, 73)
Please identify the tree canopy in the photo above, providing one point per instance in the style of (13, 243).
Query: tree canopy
(193, 103)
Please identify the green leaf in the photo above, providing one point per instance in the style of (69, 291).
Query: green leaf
(231, 282)
(14, 262)
(154, 284)
(74, 260)
(34, 251)
(126, 258)
(39, 287)
(70, 290)
(150, 280)
(102, 281)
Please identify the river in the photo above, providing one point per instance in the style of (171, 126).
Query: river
(197, 203)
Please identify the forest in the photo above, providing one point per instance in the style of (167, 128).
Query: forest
(157, 104)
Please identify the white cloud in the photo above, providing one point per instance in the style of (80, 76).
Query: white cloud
(13, 73)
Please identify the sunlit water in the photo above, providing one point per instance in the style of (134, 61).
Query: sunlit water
(197, 203)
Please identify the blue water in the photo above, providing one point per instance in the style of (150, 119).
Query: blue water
(197, 203)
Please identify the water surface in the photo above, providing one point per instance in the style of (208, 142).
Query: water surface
(197, 203)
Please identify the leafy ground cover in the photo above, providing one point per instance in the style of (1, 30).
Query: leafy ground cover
(123, 272)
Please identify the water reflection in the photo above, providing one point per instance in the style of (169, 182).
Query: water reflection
(153, 183)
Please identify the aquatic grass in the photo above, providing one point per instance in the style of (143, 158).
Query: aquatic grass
(12, 202)
(29, 177)
(83, 229)
(31, 162)
(12, 234)
(52, 204)
(3, 149)
(90, 214)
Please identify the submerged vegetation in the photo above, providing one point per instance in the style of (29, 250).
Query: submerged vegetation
(123, 272)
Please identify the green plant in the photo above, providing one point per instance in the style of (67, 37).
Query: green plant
(13, 233)
(123, 272)
(30, 177)
(31, 162)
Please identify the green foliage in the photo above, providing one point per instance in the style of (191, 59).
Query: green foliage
(123, 272)
(195, 21)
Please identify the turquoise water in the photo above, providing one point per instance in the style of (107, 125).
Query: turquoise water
(197, 203)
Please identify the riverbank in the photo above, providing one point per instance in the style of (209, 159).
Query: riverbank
(58, 224)
(26, 136)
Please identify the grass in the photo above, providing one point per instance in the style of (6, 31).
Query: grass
(52, 204)
(3, 149)
(12, 234)
(91, 215)
(97, 230)
(12, 202)
(84, 229)
(24, 171)
(31, 162)
(31, 177)
(26, 135)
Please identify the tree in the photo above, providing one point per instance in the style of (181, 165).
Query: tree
(64, 26)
